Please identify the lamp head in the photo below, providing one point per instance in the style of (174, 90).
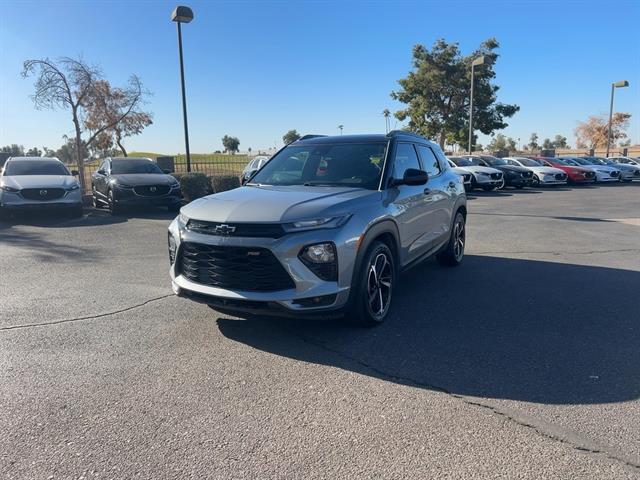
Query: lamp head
(182, 14)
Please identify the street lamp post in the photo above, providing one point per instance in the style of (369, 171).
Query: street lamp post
(621, 83)
(183, 15)
(476, 62)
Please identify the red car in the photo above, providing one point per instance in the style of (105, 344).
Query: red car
(574, 174)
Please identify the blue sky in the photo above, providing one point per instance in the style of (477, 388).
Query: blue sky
(256, 69)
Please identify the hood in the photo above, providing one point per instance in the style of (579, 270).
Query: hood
(278, 203)
(545, 170)
(479, 169)
(511, 168)
(39, 181)
(135, 179)
(602, 168)
(625, 167)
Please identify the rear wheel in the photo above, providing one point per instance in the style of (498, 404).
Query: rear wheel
(373, 287)
(454, 251)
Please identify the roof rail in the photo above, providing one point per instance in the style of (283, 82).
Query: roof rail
(306, 137)
(393, 133)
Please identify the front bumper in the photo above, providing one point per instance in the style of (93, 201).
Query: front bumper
(295, 301)
(518, 181)
(127, 197)
(13, 201)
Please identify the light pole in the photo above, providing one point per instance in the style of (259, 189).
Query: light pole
(386, 114)
(183, 15)
(476, 62)
(621, 83)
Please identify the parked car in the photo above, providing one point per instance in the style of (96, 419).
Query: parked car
(518, 177)
(604, 173)
(542, 174)
(626, 160)
(465, 174)
(39, 183)
(253, 166)
(628, 172)
(575, 173)
(323, 229)
(126, 181)
(483, 177)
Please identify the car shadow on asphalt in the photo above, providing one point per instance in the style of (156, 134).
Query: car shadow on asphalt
(533, 331)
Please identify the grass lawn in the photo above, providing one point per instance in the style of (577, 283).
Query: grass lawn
(198, 157)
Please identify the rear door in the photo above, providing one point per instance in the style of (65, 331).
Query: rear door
(441, 196)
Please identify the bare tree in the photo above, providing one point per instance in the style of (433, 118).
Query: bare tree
(594, 132)
(71, 84)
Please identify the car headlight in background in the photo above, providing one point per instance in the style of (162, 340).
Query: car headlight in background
(7, 188)
(118, 184)
(73, 187)
(321, 259)
(329, 222)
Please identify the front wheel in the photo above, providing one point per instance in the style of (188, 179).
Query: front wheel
(536, 181)
(111, 202)
(374, 286)
(453, 253)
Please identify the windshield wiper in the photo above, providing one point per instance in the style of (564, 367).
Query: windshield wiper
(323, 184)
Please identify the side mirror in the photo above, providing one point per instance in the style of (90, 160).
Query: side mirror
(101, 172)
(412, 176)
(75, 173)
(247, 176)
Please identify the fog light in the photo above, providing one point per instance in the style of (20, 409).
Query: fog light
(320, 258)
(172, 249)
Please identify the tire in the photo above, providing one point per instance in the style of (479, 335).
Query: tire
(536, 181)
(474, 184)
(373, 286)
(503, 184)
(113, 208)
(453, 253)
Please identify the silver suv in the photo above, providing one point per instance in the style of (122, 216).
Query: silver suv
(323, 229)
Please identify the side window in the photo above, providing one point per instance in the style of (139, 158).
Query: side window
(406, 158)
(105, 166)
(429, 160)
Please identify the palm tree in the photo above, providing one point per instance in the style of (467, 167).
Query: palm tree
(340, 127)
(386, 114)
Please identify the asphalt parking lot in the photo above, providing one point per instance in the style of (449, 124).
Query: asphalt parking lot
(522, 363)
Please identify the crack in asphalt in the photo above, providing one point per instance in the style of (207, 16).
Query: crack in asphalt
(591, 252)
(88, 317)
(495, 410)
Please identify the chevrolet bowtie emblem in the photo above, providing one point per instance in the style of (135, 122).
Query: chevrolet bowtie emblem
(224, 229)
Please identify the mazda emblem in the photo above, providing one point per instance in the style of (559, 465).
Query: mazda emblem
(152, 189)
(43, 193)
(224, 229)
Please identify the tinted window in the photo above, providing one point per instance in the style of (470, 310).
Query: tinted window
(406, 158)
(119, 167)
(340, 164)
(429, 161)
(35, 167)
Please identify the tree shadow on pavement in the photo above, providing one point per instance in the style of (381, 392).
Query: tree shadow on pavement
(524, 330)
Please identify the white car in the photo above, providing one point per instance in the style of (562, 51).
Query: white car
(486, 178)
(465, 174)
(38, 183)
(604, 173)
(629, 168)
(254, 165)
(542, 175)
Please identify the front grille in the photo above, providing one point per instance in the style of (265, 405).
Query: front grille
(496, 176)
(251, 230)
(152, 190)
(42, 193)
(560, 176)
(233, 268)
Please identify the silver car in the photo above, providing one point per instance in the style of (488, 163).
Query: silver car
(38, 183)
(323, 229)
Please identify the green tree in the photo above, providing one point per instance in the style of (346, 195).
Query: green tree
(437, 93)
(502, 142)
(290, 137)
(560, 142)
(533, 142)
(34, 152)
(14, 149)
(230, 144)
(548, 144)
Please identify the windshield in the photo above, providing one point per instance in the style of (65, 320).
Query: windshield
(597, 161)
(478, 162)
(494, 161)
(461, 162)
(559, 161)
(527, 162)
(120, 167)
(335, 164)
(581, 161)
(571, 161)
(35, 167)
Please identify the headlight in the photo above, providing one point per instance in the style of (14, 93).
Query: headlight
(483, 173)
(321, 259)
(329, 222)
(118, 184)
(183, 219)
(7, 188)
(73, 187)
(172, 249)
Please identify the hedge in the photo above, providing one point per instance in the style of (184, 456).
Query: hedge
(195, 185)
